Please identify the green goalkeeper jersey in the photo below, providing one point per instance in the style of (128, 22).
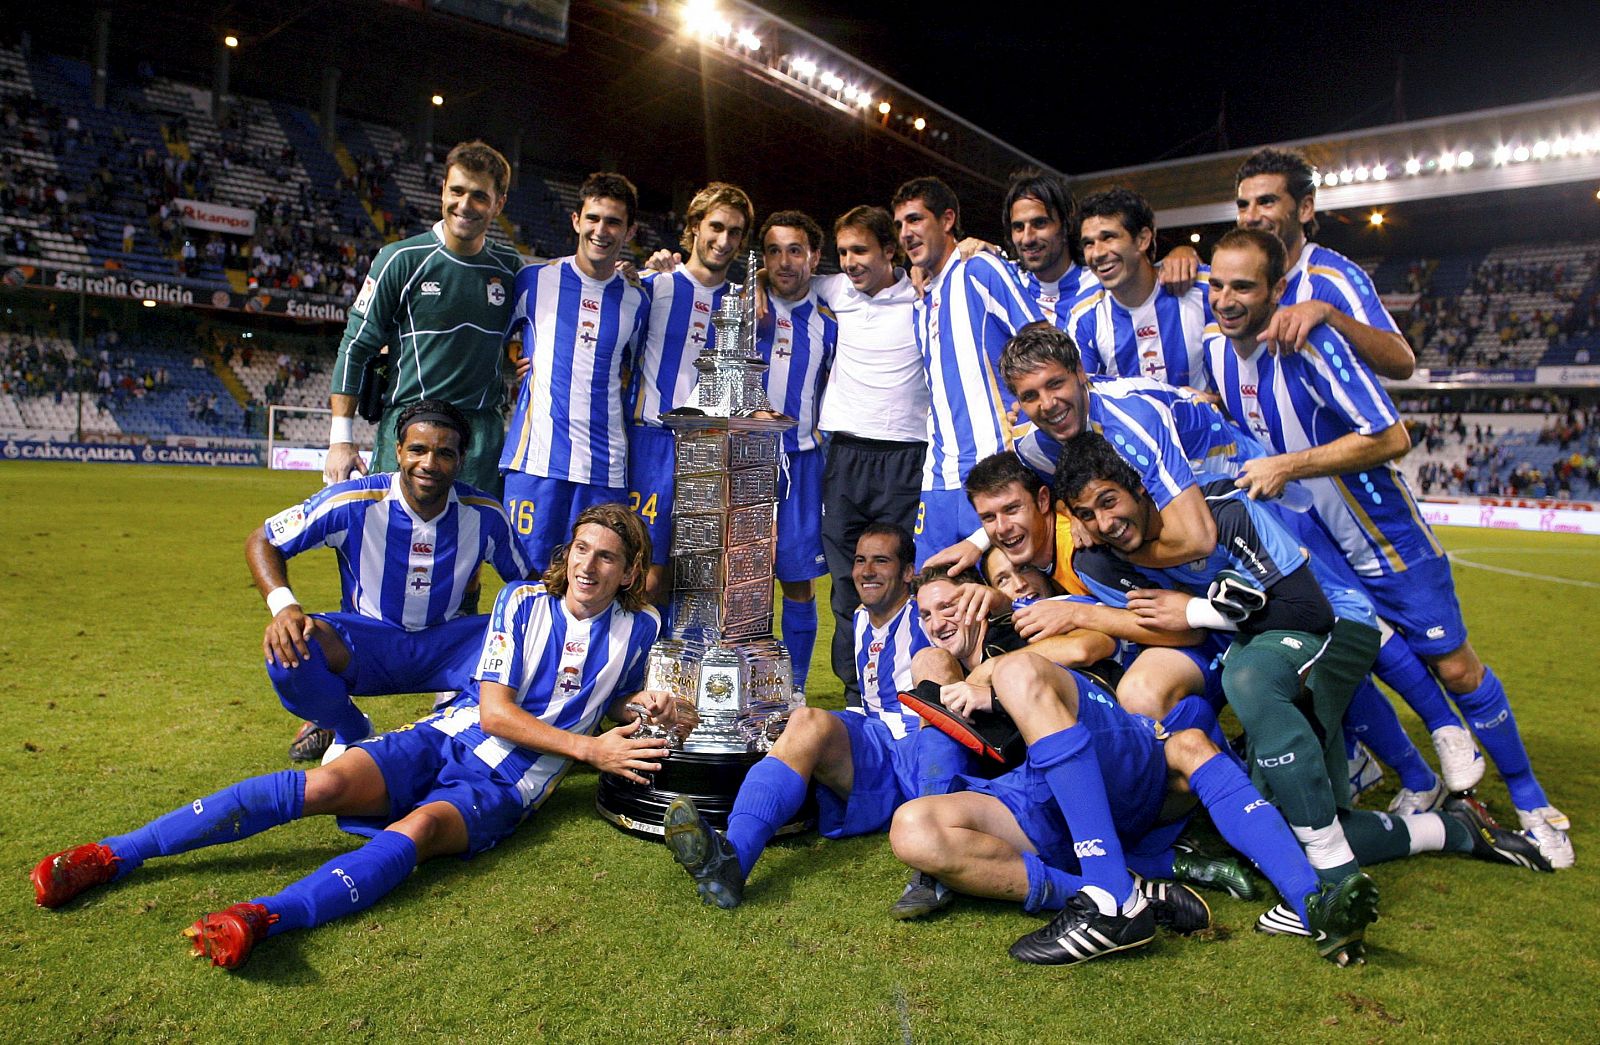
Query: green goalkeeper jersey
(443, 316)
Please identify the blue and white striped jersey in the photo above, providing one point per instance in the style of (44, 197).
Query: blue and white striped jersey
(1159, 340)
(678, 328)
(883, 664)
(394, 566)
(1326, 275)
(798, 339)
(566, 672)
(1141, 427)
(578, 334)
(1056, 297)
(969, 311)
(1309, 398)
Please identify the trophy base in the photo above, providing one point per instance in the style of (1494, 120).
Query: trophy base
(711, 779)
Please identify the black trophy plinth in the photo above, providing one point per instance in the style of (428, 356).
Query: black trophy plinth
(711, 779)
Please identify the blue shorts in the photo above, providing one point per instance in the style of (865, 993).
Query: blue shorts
(1132, 765)
(884, 774)
(944, 517)
(420, 765)
(544, 510)
(652, 457)
(799, 555)
(1421, 605)
(386, 658)
(1207, 656)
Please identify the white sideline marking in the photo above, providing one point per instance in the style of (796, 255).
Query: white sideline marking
(1455, 557)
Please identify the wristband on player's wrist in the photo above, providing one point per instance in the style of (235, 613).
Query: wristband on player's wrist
(341, 430)
(280, 598)
(1200, 613)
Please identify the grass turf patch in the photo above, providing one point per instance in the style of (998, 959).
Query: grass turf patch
(132, 683)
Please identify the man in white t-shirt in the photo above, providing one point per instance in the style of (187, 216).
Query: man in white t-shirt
(874, 409)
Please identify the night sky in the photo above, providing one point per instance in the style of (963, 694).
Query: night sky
(1100, 88)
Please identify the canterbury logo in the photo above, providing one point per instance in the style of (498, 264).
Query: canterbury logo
(1091, 847)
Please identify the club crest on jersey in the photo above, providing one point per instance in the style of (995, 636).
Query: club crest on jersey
(497, 292)
(363, 299)
(287, 523)
(569, 682)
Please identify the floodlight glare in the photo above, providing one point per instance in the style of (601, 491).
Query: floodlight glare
(230, 41)
(437, 99)
(1375, 218)
(1316, 179)
(1447, 161)
(1413, 166)
(1380, 172)
(1362, 174)
(1464, 159)
(883, 107)
(804, 67)
(1520, 153)
(1502, 154)
(1541, 149)
(1194, 237)
(919, 123)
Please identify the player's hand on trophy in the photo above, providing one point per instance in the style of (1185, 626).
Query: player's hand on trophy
(664, 260)
(619, 752)
(974, 602)
(964, 698)
(1291, 325)
(342, 462)
(1178, 270)
(660, 707)
(288, 638)
(962, 555)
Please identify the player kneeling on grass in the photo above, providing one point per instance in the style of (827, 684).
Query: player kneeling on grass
(554, 661)
(409, 543)
(1122, 781)
(865, 760)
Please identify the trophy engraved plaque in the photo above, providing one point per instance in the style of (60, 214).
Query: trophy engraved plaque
(733, 681)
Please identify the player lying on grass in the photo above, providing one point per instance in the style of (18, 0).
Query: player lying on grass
(408, 544)
(1284, 674)
(1123, 782)
(556, 658)
(862, 762)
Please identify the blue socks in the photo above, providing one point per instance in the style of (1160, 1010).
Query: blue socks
(1049, 888)
(315, 693)
(800, 636)
(237, 811)
(769, 798)
(1255, 828)
(344, 885)
(1372, 719)
(1067, 761)
(1489, 714)
(1405, 673)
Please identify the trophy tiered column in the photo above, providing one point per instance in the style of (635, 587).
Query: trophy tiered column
(733, 681)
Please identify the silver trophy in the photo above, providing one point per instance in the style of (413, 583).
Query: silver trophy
(734, 682)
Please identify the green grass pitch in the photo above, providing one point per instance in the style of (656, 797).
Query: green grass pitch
(130, 682)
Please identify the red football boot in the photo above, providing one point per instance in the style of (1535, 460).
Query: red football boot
(61, 876)
(227, 936)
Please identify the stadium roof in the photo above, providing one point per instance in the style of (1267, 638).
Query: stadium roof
(1541, 144)
(629, 89)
